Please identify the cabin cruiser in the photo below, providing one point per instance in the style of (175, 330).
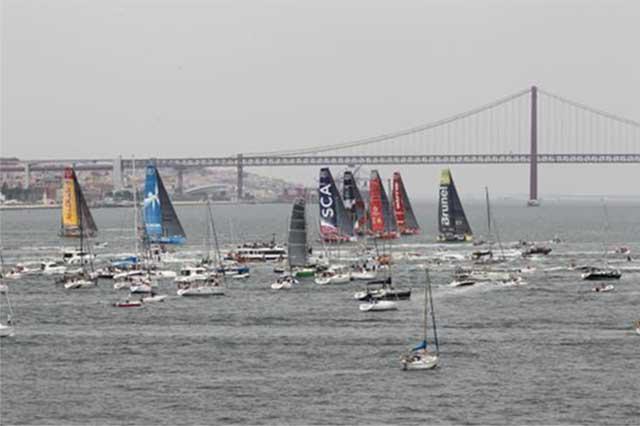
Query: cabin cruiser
(258, 252)
(335, 274)
(382, 290)
(210, 286)
(597, 274)
(52, 267)
(189, 274)
(284, 283)
(76, 257)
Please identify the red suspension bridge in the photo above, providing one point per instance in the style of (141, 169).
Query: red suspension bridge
(528, 127)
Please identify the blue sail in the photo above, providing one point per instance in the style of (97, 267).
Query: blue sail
(161, 222)
(420, 346)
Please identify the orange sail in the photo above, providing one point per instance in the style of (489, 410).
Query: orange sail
(76, 217)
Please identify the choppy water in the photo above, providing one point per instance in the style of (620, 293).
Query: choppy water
(550, 351)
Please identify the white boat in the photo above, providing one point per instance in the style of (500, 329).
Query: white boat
(364, 274)
(128, 274)
(420, 357)
(201, 290)
(603, 288)
(6, 330)
(3, 288)
(140, 288)
(128, 304)
(462, 283)
(336, 274)
(153, 298)
(258, 252)
(379, 305)
(52, 268)
(240, 276)
(638, 326)
(80, 282)
(191, 274)
(122, 285)
(159, 273)
(284, 283)
(74, 256)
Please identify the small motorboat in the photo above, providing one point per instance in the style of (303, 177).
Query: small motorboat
(76, 283)
(596, 274)
(153, 298)
(638, 326)
(128, 304)
(6, 330)
(462, 283)
(242, 276)
(378, 306)
(201, 291)
(284, 283)
(122, 285)
(603, 288)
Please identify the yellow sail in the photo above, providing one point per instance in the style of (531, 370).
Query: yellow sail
(70, 211)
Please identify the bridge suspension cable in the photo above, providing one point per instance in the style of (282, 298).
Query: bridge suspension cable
(395, 135)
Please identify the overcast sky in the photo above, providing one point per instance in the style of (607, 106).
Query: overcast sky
(179, 78)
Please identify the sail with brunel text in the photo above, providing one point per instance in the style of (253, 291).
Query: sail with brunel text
(452, 221)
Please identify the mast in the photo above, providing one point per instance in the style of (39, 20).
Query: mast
(215, 234)
(433, 315)
(135, 207)
(426, 303)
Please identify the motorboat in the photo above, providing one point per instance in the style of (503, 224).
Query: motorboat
(364, 273)
(210, 286)
(52, 268)
(77, 257)
(378, 305)
(462, 283)
(190, 274)
(382, 290)
(258, 252)
(284, 283)
(597, 274)
(536, 250)
(79, 282)
(6, 330)
(603, 288)
(336, 274)
(153, 298)
(128, 304)
(242, 276)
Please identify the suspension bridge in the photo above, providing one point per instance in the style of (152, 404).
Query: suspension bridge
(529, 127)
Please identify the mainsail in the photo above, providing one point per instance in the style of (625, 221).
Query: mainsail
(452, 222)
(353, 202)
(383, 222)
(405, 218)
(76, 217)
(297, 244)
(161, 222)
(335, 222)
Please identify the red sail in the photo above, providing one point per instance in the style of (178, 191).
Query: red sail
(375, 206)
(398, 202)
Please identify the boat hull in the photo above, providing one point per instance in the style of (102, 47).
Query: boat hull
(380, 306)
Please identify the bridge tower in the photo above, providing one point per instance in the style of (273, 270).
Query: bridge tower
(180, 180)
(533, 160)
(116, 174)
(240, 193)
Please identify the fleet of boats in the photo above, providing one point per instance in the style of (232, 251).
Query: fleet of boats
(356, 233)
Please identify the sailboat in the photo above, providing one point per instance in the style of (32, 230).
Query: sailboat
(405, 218)
(354, 203)
(420, 357)
(161, 222)
(605, 273)
(77, 222)
(383, 223)
(297, 247)
(486, 256)
(6, 330)
(336, 225)
(452, 222)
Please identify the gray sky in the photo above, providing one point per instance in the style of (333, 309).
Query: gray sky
(206, 78)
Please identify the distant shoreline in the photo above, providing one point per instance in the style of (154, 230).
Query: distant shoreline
(175, 203)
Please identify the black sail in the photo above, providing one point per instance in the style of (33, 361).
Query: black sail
(297, 243)
(452, 221)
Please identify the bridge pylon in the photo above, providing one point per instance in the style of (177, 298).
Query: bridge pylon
(240, 192)
(533, 159)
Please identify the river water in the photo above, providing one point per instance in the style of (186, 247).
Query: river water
(550, 351)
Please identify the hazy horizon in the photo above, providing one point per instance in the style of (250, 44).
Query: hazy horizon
(213, 78)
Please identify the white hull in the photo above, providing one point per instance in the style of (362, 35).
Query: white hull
(240, 276)
(164, 274)
(364, 275)
(335, 279)
(604, 289)
(122, 285)
(201, 291)
(55, 271)
(425, 362)
(140, 288)
(154, 299)
(382, 305)
(6, 330)
(281, 286)
(78, 284)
